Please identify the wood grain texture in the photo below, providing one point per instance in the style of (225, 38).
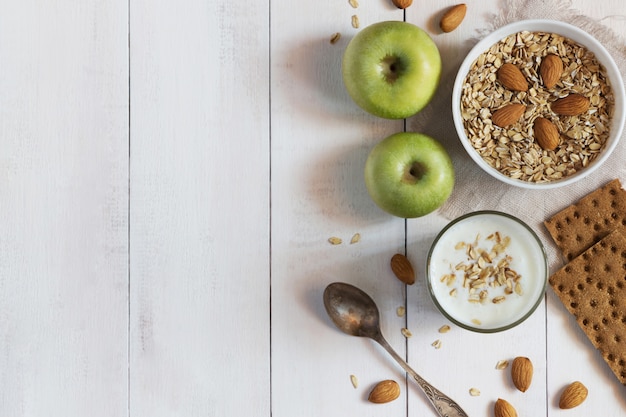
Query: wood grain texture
(320, 140)
(199, 286)
(63, 215)
(170, 175)
(465, 359)
(549, 339)
(570, 356)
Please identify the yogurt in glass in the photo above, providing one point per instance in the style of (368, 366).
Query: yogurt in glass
(487, 271)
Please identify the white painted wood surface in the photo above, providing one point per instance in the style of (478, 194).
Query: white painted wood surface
(63, 208)
(199, 209)
(169, 176)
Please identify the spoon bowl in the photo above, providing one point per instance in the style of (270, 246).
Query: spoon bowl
(355, 313)
(352, 310)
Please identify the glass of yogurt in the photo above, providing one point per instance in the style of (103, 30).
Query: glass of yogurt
(487, 271)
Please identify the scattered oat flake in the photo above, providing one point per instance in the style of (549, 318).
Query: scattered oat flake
(502, 364)
(474, 392)
(436, 344)
(444, 329)
(355, 21)
(334, 240)
(406, 332)
(353, 3)
(476, 321)
(355, 238)
(354, 380)
(335, 38)
(400, 311)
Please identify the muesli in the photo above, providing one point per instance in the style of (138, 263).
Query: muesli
(513, 150)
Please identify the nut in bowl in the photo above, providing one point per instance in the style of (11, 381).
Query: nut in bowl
(539, 104)
(487, 271)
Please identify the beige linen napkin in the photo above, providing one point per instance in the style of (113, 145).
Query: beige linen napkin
(476, 190)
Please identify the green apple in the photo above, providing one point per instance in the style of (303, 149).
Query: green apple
(391, 69)
(409, 174)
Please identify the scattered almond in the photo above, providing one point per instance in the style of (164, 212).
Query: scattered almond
(571, 105)
(503, 408)
(551, 69)
(508, 115)
(384, 392)
(452, 18)
(522, 373)
(402, 4)
(573, 395)
(512, 78)
(402, 268)
(502, 364)
(546, 134)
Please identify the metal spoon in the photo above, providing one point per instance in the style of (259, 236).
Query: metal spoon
(355, 313)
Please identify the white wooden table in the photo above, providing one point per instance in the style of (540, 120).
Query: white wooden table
(170, 173)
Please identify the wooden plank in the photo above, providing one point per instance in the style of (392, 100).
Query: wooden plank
(465, 359)
(199, 289)
(557, 348)
(320, 141)
(63, 209)
(570, 354)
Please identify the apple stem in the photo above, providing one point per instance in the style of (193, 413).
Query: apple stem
(415, 172)
(391, 68)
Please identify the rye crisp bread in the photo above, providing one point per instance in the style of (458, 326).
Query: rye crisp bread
(579, 226)
(592, 287)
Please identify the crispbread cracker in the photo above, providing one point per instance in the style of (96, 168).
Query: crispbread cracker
(579, 226)
(592, 287)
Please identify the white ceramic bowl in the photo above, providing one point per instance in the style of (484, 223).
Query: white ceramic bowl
(498, 249)
(576, 34)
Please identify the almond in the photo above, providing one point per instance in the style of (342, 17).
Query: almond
(551, 69)
(512, 78)
(522, 373)
(546, 134)
(453, 17)
(503, 408)
(402, 4)
(402, 268)
(384, 392)
(571, 105)
(573, 395)
(507, 115)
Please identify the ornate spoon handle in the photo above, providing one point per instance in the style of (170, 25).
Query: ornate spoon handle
(445, 406)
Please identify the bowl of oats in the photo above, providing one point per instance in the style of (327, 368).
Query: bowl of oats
(487, 271)
(539, 104)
